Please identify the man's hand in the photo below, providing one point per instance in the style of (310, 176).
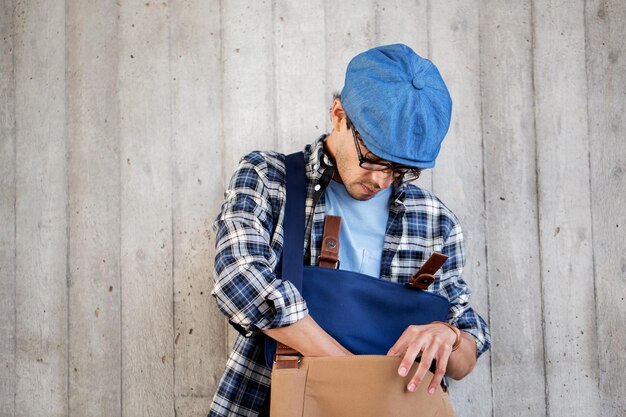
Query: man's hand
(434, 341)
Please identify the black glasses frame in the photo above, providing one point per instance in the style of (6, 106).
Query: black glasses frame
(400, 173)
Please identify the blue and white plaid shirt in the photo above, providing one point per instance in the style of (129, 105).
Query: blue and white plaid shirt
(249, 239)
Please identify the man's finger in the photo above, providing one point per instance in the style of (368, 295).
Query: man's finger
(409, 359)
(442, 364)
(427, 358)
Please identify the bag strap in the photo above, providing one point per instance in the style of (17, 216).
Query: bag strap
(294, 221)
(426, 274)
(292, 265)
(329, 257)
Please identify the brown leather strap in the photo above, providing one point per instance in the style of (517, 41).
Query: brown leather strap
(426, 274)
(286, 357)
(284, 350)
(287, 362)
(330, 242)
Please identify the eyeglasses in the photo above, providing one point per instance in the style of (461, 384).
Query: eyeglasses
(400, 173)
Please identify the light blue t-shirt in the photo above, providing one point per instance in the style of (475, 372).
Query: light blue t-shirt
(363, 225)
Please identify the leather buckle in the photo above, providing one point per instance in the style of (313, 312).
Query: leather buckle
(426, 274)
(422, 281)
(287, 362)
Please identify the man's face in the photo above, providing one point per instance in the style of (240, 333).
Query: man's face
(361, 184)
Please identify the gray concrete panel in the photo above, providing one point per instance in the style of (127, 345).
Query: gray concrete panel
(41, 302)
(564, 209)
(199, 344)
(7, 212)
(302, 105)
(606, 85)
(350, 29)
(95, 363)
(511, 202)
(144, 76)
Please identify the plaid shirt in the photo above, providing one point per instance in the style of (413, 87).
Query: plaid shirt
(249, 239)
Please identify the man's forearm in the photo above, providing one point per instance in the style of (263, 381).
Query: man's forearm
(462, 360)
(308, 338)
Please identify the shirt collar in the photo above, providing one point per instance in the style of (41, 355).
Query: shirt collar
(318, 160)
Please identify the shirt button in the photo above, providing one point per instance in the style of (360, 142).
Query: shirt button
(315, 167)
(317, 187)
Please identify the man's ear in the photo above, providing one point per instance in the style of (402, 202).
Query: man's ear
(337, 115)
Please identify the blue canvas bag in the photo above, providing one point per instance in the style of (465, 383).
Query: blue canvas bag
(364, 314)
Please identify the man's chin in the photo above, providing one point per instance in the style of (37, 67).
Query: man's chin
(361, 192)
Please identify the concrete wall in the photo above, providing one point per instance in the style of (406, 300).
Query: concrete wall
(121, 122)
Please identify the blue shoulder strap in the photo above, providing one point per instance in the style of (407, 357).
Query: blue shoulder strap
(293, 224)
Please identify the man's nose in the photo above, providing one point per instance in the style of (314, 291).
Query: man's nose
(382, 178)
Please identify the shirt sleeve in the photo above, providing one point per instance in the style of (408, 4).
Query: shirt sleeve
(461, 313)
(246, 288)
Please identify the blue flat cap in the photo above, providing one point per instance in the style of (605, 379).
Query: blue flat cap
(398, 103)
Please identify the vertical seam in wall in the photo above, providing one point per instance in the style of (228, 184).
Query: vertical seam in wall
(377, 11)
(222, 133)
(13, 41)
(537, 183)
(119, 210)
(485, 205)
(274, 90)
(172, 220)
(593, 258)
(429, 45)
(323, 5)
(67, 205)
(220, 129)
(120, 214)
(327, 88)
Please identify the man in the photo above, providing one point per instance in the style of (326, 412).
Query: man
(387, 125)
